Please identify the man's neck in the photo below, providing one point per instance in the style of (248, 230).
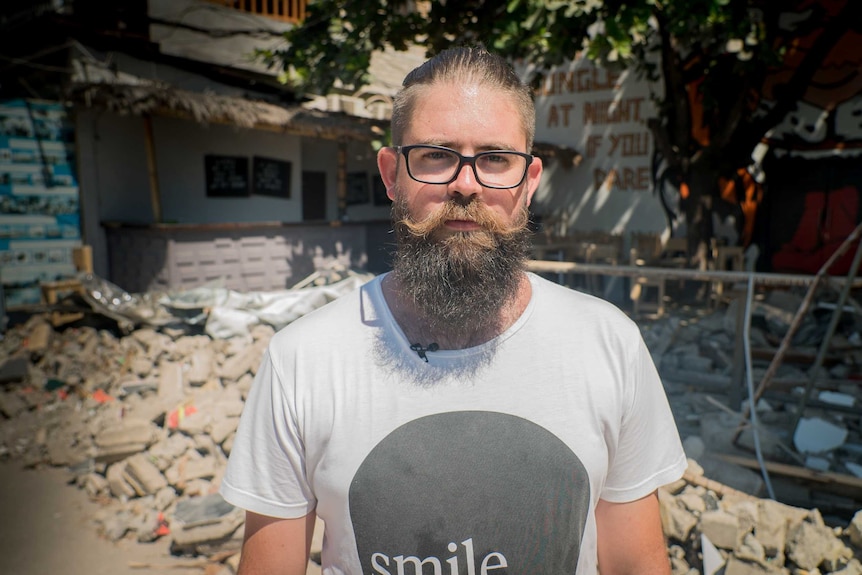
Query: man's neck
(420, 330)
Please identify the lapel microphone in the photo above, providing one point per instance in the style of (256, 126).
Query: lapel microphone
(420, 351)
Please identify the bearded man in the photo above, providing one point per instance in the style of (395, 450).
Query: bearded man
(457, 415)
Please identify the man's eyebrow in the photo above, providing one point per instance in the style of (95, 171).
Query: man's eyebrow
(481, 148)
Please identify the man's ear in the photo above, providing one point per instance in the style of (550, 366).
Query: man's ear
(534, 176)
(387, 164)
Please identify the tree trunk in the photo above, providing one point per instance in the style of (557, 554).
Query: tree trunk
(698, 208)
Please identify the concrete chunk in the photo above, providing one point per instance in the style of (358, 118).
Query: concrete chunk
(854, 530)
(810, 544)
(676, 521)
(201, 366)
(11, 404)
(147, 475)
(721, 527)
(117, 483)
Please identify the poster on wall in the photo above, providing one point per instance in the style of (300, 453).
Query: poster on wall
(39, 200)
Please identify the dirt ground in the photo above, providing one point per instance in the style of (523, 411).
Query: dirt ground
(46, 528)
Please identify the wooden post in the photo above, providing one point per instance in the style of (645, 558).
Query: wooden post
(341, 188)
(155, 194)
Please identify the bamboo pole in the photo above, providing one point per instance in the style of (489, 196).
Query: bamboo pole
(155, 194)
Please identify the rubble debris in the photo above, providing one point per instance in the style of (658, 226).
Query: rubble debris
(146, 420)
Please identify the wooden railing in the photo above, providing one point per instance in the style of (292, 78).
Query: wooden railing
(285, 10)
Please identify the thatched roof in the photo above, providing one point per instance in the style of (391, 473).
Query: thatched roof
(161, 99)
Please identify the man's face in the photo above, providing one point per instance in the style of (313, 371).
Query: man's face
(468, 119)
(461, 246)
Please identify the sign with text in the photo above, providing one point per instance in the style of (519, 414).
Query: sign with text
(602, 114)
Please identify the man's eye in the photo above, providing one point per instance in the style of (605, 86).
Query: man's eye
(437, 155)
(497, 158)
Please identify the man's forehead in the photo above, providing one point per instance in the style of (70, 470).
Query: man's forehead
(449, 113)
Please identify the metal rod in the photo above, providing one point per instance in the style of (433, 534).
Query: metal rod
(760, 278)
(827, 340)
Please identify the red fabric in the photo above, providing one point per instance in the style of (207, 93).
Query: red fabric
(828, 218)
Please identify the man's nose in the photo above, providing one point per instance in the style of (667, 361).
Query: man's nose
(466, 184)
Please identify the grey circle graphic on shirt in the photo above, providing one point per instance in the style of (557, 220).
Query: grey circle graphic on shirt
(472, 493)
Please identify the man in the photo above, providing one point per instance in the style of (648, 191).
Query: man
(457, 415)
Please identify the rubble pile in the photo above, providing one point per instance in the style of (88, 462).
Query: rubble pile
(710, 527)
(146, 420)
(145, 423)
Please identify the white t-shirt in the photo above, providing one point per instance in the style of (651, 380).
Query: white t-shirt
(481, 461)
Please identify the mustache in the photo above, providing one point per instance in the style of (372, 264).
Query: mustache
(473, 211)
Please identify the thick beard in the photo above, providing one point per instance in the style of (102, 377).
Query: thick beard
(459, 282)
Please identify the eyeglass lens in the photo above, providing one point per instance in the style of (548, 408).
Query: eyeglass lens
(440, 166)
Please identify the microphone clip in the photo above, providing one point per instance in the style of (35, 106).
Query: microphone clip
(421, 351)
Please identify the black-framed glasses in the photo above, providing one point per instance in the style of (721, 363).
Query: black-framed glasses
(498, 169)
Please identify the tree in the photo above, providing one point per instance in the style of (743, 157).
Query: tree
(712, 58)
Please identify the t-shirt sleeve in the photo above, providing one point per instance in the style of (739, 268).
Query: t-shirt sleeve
(649, 453)
(266, 469)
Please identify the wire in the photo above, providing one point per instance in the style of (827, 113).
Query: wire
(749, 380)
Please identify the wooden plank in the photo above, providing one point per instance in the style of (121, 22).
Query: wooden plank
(824, 477)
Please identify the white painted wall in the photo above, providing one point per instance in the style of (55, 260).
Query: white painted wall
(180, 149)
(115, 186)
(603, 116)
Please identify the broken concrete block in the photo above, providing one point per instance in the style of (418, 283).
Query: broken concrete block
(242, 363)
(750, 549)
(195, 423)
(203, 468)
(215, 534)
(166, 452)
(129, 430)
(853, 567)
(117, 483)
(95, 484)
(141, 366)
(39, 338)
(771, 527)
(692, 501)
(115, 526)
(171, 380)
(164, 498)
(153, 342)
(146, 526)
(201, 366)
(12, 405)
(221, 428)
(119, 440)
(145, 473)
(677, 522)
(721, 527)
(810, 544)
(738, 567)
(205, 444)
(854, 530)
(227, 444)
(187, 345)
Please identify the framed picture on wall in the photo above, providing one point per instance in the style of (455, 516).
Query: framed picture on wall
(226, 176)
(378, 192)
(357, 188)
(270, 177)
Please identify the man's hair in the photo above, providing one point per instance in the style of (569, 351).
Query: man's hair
(463, 65)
